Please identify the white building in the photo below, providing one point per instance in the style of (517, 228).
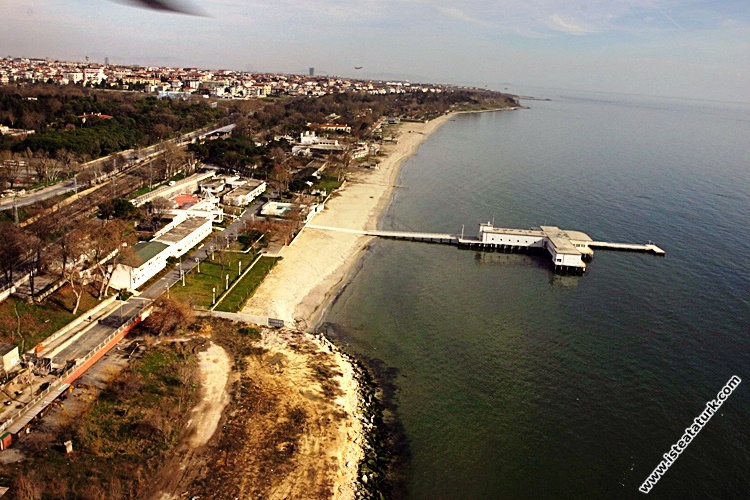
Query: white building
(9, 353)
(244, 195)
(151, 258)
(185, 235)
(212, 187)
(567, 248)
(175, 240)
(283, 210)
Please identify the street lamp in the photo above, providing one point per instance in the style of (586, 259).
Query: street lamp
(182, 275)
(198, 262)
(239, 268)
(213, 295)
(227, 285)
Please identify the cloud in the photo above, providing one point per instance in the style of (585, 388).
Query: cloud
(557, 23)
(459, 14)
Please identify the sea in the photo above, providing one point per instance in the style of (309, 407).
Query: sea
(510, 381)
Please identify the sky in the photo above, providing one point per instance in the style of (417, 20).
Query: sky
(676, 48)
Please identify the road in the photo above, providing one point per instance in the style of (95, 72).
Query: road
(130, 156)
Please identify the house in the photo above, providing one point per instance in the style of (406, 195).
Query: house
(244, 195)
(212, 187)
(286, 210)
(335, 127)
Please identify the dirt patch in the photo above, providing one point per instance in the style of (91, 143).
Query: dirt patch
(213, 371)
(291, 430)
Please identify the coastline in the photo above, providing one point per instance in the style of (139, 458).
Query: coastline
(319, 263)
(314, 271)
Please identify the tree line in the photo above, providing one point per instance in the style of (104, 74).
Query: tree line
(77, 120)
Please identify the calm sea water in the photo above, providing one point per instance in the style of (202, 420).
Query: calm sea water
(514, 382)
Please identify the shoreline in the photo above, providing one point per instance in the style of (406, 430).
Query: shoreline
(320, 263)
(317, 268)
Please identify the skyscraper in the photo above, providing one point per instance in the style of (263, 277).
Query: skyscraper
(312, 71)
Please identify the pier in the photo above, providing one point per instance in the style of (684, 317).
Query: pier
(569, 249)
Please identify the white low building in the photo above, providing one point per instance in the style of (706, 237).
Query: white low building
(244, 195)
(284, 210)
(175, 240)
(151, 257)
(9, 354)
(567, 248)
(185, 235)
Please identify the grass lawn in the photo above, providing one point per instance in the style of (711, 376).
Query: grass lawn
(328, 183)
(39, 321)
(198, 286)
(236, 299)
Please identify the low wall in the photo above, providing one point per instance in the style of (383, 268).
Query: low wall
(242, 318)
(7, 293)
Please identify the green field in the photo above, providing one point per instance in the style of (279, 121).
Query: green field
(198, 286)
(235, 300)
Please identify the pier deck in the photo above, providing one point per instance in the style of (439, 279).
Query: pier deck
(633, 247)
(556, 241)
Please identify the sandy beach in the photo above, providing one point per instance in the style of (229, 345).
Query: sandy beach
(318, 262)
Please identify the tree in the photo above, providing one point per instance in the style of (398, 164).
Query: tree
(161, 131)
(72, 253)
(174, 158)
(281, 174)
(158, 207)
(342, 167)
(118, 208)
(109, 244)
(10, 168)
(170, 316)
(13, 248)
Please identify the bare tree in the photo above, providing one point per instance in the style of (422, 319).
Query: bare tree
(10, 168)
(170, 316)
(13, 248)
(174, 159)
(109, 244)
(281, 174)
(26, 487)
(75, 262)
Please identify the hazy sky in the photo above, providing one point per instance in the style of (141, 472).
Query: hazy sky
(660, 47)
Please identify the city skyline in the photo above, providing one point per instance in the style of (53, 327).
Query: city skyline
(669, 48)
